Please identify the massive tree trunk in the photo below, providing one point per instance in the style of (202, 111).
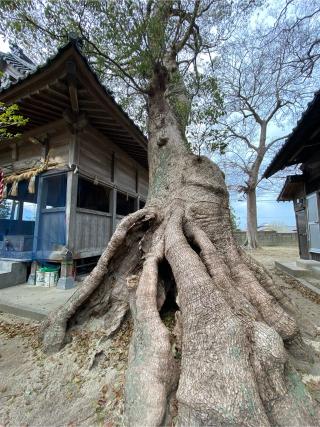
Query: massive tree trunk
(234, 329)
(252, 223)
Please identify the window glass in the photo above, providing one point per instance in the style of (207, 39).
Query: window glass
(93, 196)
(125, 204)
(29, 211)
(9, 209)
(54, 191)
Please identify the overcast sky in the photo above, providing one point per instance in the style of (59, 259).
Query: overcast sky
(269, 210)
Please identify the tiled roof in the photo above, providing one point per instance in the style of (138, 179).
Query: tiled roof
(18, 61)
(296, 139)
(76, 43)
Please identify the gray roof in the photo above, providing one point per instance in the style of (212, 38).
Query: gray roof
(131, 139)
(297, 146)
(15, 65)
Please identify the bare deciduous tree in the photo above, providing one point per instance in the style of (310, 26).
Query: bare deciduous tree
(263, 94)
(298, 23)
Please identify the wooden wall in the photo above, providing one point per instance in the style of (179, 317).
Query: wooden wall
(125, 174)
(143, 182)
(20, 156)
(59, 147)
(15, 158)
(92, 233)
(96, 158)
(95, 154)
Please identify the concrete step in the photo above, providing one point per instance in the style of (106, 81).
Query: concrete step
(316, 271)
(308, 264)
(313, 287)
(308, 277)
(33, 314)
(33, 302)
(301, 268)
(5, 266)
(292, 268)
(12, 273)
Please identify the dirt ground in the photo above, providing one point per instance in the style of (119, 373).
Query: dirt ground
(66, 389)
(267, 256)
(83, 384)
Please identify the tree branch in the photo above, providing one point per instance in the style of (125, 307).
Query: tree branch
(179, 45)
(276, 140)
(114, 63)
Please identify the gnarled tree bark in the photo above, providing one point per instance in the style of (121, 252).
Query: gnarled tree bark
(235, 328)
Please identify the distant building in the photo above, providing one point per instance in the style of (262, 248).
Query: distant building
(303, 147)
(278, 228)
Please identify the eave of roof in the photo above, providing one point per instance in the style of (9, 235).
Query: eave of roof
(13, 92)
(298, 137)
(292, 185)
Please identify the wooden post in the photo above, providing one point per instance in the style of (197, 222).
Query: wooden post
(72, 85)
(71, 205)
(38, 216)
(114, 209)
(137, 180)
(66, 280)
(113, 194)
(14, 152)
(113, 165)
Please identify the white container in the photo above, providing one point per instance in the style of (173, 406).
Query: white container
(50, 279)
(39, 278)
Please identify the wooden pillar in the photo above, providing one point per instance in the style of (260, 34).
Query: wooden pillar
(114, 209)
(71, 205)
(38, 216)
(137, 202)
(66, 280)
(113, 194)
(113, 166)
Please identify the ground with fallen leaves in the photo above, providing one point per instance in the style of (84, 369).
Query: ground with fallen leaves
(83, 384)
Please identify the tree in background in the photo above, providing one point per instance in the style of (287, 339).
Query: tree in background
(298, 23)
(10, 121)
(234, 220)
(262, 96)
(234, 327)
(116, 60)
(5, 209)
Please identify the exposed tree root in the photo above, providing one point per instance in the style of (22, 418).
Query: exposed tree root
(54, 327)
(265, 279)
(235, 329)
(207, 371)
(151, 375)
